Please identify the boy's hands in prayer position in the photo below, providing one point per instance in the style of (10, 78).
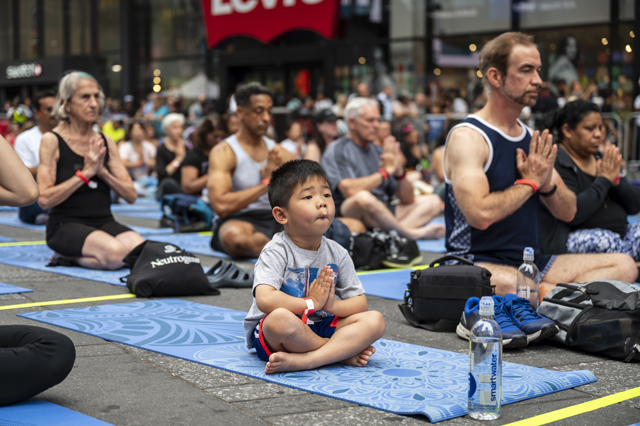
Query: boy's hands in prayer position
(322, 290)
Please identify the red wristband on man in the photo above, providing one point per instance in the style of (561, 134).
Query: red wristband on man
(384, 173)
(527, 182)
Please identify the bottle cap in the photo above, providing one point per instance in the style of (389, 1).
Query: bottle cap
(486, 306)
(528, 253)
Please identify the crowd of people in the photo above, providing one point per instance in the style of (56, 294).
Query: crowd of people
(364, 160)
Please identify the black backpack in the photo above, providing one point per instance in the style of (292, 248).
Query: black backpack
(162, 269)
(598, 316)
(185, 213)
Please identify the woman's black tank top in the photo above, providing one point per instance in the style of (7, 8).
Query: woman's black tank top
(85, 202)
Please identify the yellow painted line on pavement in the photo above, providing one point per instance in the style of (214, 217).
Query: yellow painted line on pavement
(585, 407)
(378, 271)
(67, 301)
(205, 234)
(23, 243)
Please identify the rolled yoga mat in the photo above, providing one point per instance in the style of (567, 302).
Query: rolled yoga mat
(400, 378)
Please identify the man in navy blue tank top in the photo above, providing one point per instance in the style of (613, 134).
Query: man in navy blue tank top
(498, 172)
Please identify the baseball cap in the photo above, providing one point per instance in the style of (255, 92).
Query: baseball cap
(325, 115)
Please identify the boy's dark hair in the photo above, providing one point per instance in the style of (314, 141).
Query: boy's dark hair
(243, 95)
(41, 95)
(290, 174)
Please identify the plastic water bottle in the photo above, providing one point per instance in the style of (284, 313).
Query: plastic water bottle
(528, 283)
(485, 365)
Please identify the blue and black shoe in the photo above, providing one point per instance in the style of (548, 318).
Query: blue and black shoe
(512, 336)
(527, 319)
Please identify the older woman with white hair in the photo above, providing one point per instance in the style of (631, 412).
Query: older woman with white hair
(78, 169)
(171, 155)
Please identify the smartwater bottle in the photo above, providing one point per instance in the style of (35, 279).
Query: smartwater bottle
(528, 283)
(485, 365)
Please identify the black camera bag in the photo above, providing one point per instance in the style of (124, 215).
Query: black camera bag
(435, 297)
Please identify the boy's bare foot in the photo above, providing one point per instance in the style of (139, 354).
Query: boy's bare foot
(361, 359)
(281, 362)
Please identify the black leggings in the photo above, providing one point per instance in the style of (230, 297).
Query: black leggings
(32, 359)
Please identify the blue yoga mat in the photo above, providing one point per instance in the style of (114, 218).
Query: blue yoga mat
(388, 284)
(633, 219)
(13, 220)
(8, 209)
(37, 412)
(193, 242)
(37, 256)
(10, 289)
(144, 214)
(135, 207)
(435, 246)
(400, 378)
(6, 239)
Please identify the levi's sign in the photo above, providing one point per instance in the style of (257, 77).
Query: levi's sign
(267, 19)
(24, 71)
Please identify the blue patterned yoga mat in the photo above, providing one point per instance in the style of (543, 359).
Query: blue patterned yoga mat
(8, 209)
(193, 242)
(400, 378)
(388, 284)
(37, 256)
(13, 220)
(10, 289)
(37, 412)
(6, 239)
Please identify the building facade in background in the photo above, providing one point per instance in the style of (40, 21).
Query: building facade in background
(138, 46)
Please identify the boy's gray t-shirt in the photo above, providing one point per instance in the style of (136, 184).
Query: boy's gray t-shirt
(288, 268)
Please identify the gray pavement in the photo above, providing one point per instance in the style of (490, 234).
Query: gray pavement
(128, 386)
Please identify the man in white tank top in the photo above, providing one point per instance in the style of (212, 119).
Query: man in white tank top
(239, 171)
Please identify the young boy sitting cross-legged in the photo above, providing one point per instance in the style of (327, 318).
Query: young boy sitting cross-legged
(295, 323)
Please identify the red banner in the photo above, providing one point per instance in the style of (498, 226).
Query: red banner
(267, 19)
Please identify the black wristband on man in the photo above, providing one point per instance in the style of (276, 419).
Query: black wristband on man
(550, 193)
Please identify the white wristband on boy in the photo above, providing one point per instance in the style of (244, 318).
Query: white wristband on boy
(310, 310)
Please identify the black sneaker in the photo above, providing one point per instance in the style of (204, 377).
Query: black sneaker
(401, 252)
